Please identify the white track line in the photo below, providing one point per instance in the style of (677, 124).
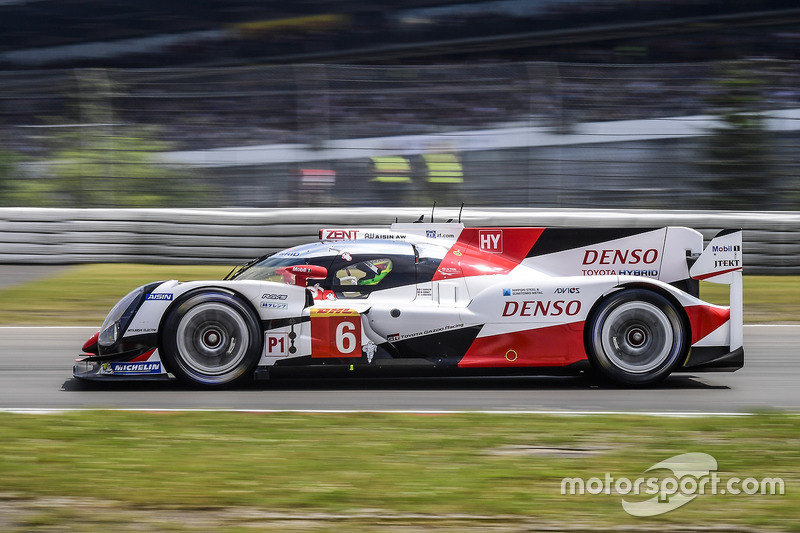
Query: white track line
(664, 414)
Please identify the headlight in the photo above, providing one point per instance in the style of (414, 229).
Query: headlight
(112, 327)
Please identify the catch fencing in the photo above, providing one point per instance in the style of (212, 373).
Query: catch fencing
(528, 134)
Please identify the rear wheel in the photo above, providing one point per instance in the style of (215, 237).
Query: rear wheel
(636, 337)
(211, 339)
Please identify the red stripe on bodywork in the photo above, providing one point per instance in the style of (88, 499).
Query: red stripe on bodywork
(705, 319)
(548, 346)
(484, 251)
(144, 357)
(701, 277)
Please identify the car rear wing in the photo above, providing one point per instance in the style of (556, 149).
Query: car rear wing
(722, 262)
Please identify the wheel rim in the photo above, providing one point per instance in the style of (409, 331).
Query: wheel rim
(212, 339)
(637, 337)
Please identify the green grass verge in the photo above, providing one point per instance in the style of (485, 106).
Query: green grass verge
(384, 464)
(83, 295)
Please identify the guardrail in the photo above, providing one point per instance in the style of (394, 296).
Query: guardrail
(230, 236)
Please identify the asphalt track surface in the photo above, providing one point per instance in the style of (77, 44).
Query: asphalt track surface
(36, 373)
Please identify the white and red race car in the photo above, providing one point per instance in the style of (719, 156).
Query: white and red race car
(623, 302)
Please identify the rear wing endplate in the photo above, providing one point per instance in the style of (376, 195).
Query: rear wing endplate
(722, 262)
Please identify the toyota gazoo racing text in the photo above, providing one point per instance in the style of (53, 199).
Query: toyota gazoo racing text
(622, 302)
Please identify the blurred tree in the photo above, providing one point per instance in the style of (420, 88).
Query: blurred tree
(8, 163)
(112, 168)
(102, 163)
(738, 150)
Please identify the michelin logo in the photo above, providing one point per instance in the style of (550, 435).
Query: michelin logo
(130, 368)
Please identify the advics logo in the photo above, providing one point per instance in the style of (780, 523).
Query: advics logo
(567, 290)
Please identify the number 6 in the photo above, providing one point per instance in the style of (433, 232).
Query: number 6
(345, 339)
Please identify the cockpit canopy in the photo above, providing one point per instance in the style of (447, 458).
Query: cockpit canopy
(351, 269)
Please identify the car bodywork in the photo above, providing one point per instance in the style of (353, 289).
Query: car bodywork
(622, 301)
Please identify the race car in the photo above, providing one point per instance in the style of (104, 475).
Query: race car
(622, 303)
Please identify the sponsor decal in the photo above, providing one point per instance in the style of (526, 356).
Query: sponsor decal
(458, 253)
(130, 368)
(403, 336)
(385, 236)
(491, 240)
(448, 271)
(726, 248)
(522, 292)
(324, 311)
(648, 273)
(728, 263)
(339, 234)
(141, 330)
(270, 296)
(542, 308)
(288, 254)
(652, 273)
(346, 256)
(567, 290)
(274, 305)
(431, 234)
(620, 257)
(163, 296)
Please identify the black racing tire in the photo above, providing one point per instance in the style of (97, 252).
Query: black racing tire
(211, 339)
(636, 337)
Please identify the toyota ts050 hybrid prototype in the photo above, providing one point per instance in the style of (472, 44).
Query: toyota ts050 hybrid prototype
(622, 302)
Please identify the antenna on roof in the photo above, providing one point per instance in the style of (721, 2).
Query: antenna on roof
(459, 212)
(432, 208)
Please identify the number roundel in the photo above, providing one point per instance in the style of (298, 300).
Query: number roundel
(335, 333)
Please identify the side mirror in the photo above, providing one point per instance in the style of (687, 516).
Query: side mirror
(299, 274)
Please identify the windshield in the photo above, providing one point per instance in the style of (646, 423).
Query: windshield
(265, 269)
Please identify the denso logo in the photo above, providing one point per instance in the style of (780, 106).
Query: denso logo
(340, 234)
(624, 257)
(542, 308)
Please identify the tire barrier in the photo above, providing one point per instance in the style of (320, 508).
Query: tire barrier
(231, 236)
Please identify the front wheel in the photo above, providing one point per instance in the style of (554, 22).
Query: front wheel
(636, 337)
(211, 339)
